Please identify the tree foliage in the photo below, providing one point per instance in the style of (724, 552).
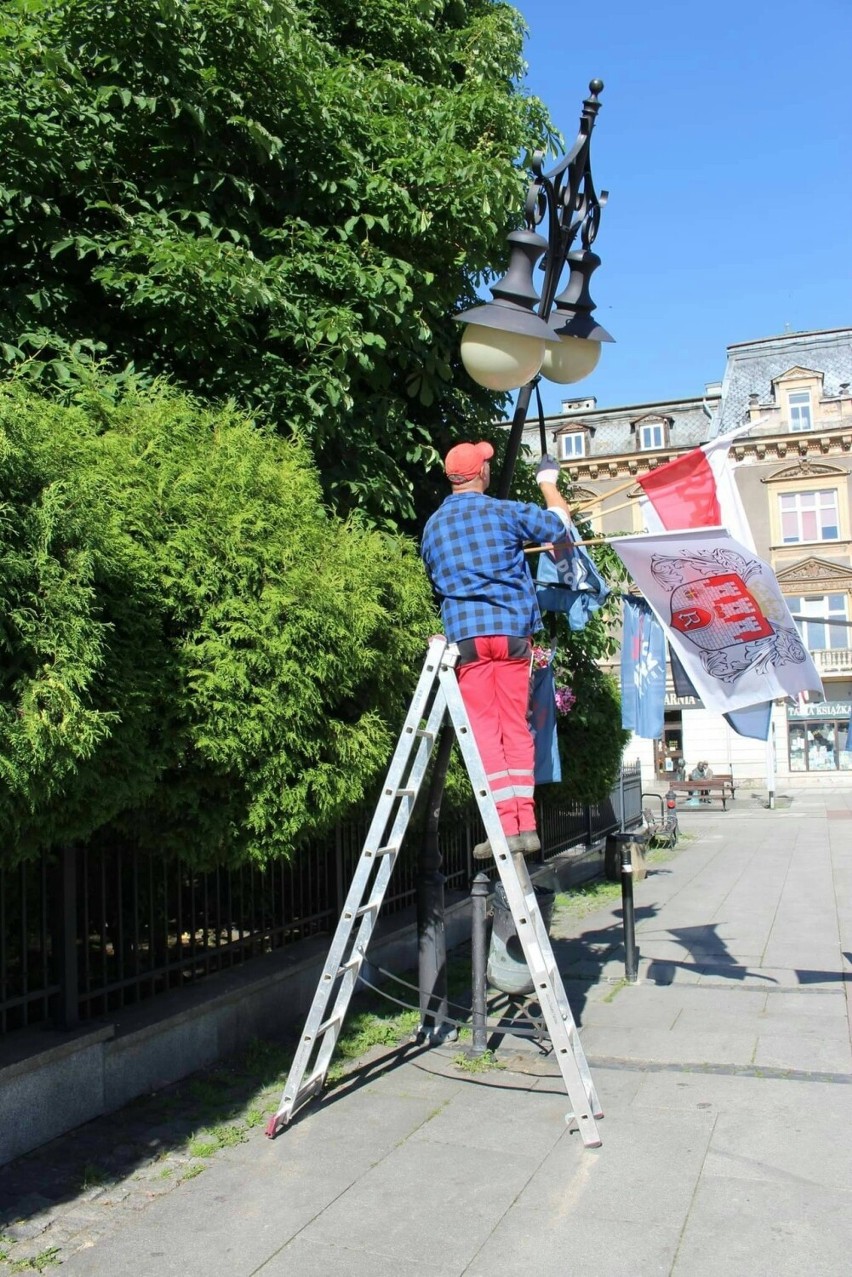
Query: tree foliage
(283, 201)
(195, 656)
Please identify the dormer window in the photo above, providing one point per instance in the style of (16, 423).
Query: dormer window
(652, 433)
(799, 403)
(572, 444)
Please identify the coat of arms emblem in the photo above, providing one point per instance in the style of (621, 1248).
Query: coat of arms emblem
(713, 608)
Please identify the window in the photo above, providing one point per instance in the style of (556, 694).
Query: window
(821, 744)
(652, 435)
(820, 634)
(799, 402)
(573, 444)
(809, 516)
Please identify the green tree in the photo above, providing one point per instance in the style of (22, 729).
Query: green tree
(195, 655)
(283, 201)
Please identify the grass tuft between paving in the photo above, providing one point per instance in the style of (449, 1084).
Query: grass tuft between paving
(37, 1263)
(484, 1063)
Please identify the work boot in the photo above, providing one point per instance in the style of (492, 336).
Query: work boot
(483, 851)
(529, 841)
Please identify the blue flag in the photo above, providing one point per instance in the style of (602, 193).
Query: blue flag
(548, 766)
(568, 580)
(643, 671)
(752, 721)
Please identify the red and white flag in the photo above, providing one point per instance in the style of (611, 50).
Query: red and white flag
(697, 490)
(723, 613)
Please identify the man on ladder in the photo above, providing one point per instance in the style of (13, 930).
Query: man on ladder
(473, 549)
(496, 593)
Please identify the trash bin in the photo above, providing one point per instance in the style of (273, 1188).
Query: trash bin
(507, 969)
(612, 855)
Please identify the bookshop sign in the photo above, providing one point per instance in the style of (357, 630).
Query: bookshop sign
(825, 709)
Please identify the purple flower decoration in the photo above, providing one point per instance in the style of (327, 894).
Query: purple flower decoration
(565, 698)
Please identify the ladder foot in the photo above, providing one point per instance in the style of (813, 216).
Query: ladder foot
(274, 1126)
(587, 1129)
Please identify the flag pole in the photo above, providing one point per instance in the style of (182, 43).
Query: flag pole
(538, 549)
(613, 492)
(770, 767)
(622, 505)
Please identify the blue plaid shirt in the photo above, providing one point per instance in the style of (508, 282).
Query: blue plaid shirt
(473, 551)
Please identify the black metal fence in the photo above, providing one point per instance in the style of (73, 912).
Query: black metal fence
(84, 934)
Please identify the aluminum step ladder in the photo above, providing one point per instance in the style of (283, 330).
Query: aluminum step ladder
(436, 696)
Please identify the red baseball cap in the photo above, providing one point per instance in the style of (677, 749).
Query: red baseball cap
(465, 461)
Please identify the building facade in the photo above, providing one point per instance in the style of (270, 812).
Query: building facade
(794, 474)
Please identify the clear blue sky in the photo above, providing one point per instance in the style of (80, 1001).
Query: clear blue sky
(725, 141)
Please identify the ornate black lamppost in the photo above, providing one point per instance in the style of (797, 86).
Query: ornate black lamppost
(508, 343)
(516, 338)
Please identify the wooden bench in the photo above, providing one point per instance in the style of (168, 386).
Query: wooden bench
(660, 831)
(729, 778)
(705, 789)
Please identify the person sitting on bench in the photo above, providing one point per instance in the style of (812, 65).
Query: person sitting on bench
(704, 771)
(701, 772)
(695, 774)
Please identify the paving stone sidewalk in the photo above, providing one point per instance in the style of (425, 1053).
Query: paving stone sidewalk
(725, 1075)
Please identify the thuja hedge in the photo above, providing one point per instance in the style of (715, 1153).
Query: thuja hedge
(194, 655)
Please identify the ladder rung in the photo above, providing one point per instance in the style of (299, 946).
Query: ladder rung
(314, 1083)
(389, 849)
(330, 1023)
(405, 793)
(352, 964)
(423, 734)
(369, 907)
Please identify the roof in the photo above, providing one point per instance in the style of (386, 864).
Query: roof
(610, 429)
(753, 365)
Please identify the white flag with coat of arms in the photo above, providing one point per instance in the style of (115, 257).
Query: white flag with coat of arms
(723, 613)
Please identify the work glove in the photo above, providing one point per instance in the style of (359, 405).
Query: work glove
(548, 470)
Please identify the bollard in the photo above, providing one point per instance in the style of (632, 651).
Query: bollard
(479, 891)
(628, 914)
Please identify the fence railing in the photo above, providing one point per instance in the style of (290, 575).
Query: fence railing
(84, 934)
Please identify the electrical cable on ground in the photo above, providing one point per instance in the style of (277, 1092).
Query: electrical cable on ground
(500, 1027)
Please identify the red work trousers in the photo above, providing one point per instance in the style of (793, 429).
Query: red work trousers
(494, 679)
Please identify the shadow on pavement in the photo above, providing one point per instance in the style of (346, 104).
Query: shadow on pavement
(582, 959)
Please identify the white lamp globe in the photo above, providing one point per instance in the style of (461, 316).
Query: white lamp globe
(570, 359)
(498, 359)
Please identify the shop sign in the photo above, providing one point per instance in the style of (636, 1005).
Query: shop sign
(825, 709)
